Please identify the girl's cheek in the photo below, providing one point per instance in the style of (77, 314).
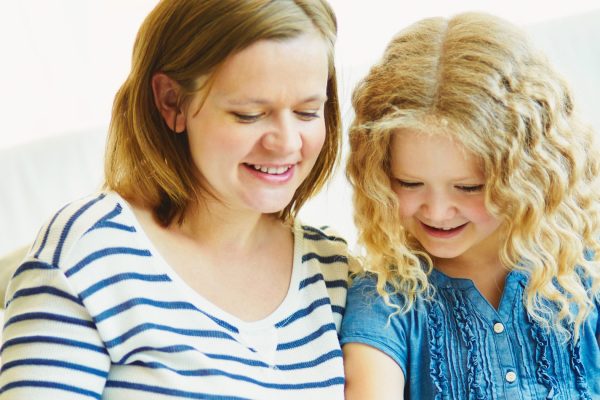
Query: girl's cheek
(408, 205)
(478, 210)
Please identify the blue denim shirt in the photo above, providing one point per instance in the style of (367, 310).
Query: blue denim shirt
(460, 347)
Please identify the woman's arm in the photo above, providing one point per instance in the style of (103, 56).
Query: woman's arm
(51, 348)
(371, 374)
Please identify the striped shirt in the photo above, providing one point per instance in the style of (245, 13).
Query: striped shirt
(95, 313)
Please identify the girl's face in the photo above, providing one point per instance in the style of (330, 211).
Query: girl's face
(440, 189)
(260, 128)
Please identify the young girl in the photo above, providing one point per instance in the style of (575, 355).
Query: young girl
(477, 200)
(190, 277)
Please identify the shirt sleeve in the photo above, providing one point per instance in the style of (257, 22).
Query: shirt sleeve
(51, 348)
(367, 321)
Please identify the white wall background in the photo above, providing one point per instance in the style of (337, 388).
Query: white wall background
(63, 60)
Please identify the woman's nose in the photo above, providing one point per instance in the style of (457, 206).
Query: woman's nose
(284, 136)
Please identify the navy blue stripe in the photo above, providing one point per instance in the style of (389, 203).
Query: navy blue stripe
(313, 363)
(51, 385)
(122, 277)
(322, 236)
(318, 234)
(170, 305)
(185, 332)
(303, 312)
(240, 360)
(284, 367)
(217, 372)
(44, 290)
(169, 391)
(54, 363)
(167, 349)
(325, 259)
(53, 340)
(310, 280)
(106, 221)
(340, 283)
(29, 265)
(49, 317)
(69, 224)
(338, 309)
(47, 233)
(113, 225)
(301, 342)
(108, 251)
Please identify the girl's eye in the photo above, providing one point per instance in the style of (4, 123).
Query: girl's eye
(307, 115)
(246, 118)
(407, 184)
(471, 188)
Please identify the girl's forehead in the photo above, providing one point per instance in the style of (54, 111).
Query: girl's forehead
(418, 151)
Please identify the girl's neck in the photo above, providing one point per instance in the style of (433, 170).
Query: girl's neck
(488, 275)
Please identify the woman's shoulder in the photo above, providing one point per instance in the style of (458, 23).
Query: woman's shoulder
(326, 246)
(64, 230)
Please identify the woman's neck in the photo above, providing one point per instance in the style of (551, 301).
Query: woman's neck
(226, 229)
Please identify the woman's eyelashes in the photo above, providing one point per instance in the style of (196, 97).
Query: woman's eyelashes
(250, 118)
(246, 118)
(307, 115)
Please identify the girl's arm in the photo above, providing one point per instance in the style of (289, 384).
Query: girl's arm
(371, 374)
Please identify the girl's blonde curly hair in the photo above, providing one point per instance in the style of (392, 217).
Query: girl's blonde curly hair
(477, 77)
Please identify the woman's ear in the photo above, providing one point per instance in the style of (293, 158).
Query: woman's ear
(166, 93)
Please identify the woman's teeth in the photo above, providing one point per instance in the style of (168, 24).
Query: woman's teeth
(271, 170)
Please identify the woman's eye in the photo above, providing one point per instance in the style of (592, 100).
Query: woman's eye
(307, 115)
(407, 184)
(246, 118)
(470, 188)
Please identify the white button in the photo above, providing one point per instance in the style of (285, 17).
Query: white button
(498, 327)
(511, 376)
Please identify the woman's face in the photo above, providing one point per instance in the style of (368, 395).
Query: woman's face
(440, 189)
(258, 132)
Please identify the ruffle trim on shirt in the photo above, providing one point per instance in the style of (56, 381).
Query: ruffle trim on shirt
(436, 367)
(543, 365)
(579, 370)
(540, 337)
(467, 332)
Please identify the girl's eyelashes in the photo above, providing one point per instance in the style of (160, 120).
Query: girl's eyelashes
(462, 188)
(407, 184)
(470, 188)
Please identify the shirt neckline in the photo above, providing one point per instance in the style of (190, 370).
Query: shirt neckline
(283, 309)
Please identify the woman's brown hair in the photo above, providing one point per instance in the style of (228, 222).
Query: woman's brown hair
(186, 40)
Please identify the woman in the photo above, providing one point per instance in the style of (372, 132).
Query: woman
(190, 277)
